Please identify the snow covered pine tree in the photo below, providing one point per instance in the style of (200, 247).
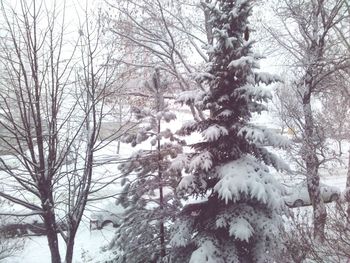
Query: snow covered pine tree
(149, 184)
(239, 217)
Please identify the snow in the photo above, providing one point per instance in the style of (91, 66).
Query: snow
(241, 229)
(252, 134)
(201, 161)
(9, 162)
(212, 133)
(206, 253)
(299, 192)
(181, 236)
(233, 181)
(266, 78)
(190, 96)
(242, 62)
(247, 176)
(87, 245)
(264, 136)
(180, 161)
(186, 182)
(259, 93)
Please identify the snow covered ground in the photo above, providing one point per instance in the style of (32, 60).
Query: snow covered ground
(89, 243)
(87, 246)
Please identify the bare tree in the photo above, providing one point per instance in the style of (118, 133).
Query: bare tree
(9, 245)
(300, 246)
(93, 85)
(165, 34)
(35, 81)
(51, 109)
(306, 35)
(343, 32)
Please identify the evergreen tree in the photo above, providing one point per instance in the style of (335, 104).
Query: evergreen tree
(149, 183)
(239, 217)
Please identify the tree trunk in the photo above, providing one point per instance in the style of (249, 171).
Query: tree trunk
(160, 107)
(347, 193)
(161, 202)
(319, 209)
(70, 246)
(50, 224)
(49, 218)
(312, 163)
(161, 226)
(208, 26)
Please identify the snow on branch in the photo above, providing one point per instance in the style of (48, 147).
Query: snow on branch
(186, 182)
(206, 252)
(243, 62)
(257, 93)
(179, 162)
(272, 159)
(190, 96)
(212, 133)
(182, 235)
(241, 229)
(202, 161)
(247, 177)
(266, 78)
(263, 136)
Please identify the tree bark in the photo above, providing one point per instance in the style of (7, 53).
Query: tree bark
(70, 246)
(347, 193)
(160, 107)
(312, 164)
(52, 237)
